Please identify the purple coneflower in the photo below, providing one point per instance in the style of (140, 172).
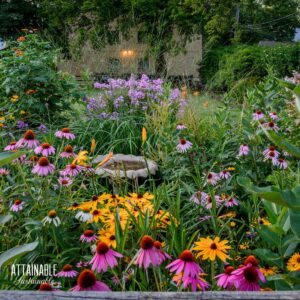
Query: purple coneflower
(244, 150)
(65, 133)
(246, 278)
(88, 236)
(273, 115)
(198, 197)
(28, 140)
(162, 255)
(212, 178)
(180, 127)
(4, 172)
(230, 202)
(282, 164)
(271, 126)
(67, 271)
(183, 145)
(224, 278)
(20, 159)
(45, 149)
(87, 281)
(11, 146)
(65, 181)
(104, 258)
(71, 170)
(186, 264)
(17, 206)
(68, 152)
(224, 174)
(271, 153)
(43, 167)
(195, 282)
(148, 254)
(258, 115)
(207, 201)
(82, 264)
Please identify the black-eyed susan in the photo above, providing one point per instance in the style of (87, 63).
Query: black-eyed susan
(108, 236)
(293, 263)
(269, 271)
(210, 249)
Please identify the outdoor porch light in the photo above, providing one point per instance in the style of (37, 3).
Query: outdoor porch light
(127, 53)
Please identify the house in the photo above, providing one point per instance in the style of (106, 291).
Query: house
(131, 56)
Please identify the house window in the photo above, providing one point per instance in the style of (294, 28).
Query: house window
(143, 65)
(114, 65)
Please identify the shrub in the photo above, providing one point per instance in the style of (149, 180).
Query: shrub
(226, 67)
(31, 85)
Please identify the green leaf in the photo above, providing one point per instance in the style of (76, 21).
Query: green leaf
(295, 222)
(5, 218)
(269, 257)
(269, 236)
(13, 253)
(7, 157)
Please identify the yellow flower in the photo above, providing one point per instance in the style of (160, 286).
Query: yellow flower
(232, 224)
(110, 219)
(230, 169)
(244, 246)
(93, 145)
(105, 160)
(22, 112)
(231, 214)
(263, 221)
(269, 271)
(14, 98)
(81, 158)
(141, 197)
(144, 135)
(97, 216)
(108, 236)
(293, 263)
(209, 248)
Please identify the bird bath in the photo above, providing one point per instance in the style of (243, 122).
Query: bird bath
(129, 166)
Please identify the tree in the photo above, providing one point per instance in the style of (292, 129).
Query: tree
(15, 15)
(99, 20)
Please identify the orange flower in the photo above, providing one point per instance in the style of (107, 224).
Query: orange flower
(21, 39)
(19, 53)
(30, 92)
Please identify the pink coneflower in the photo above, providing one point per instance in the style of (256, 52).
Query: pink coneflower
(67, 271)
(65, 133)
(82, 264)
(33, 160)
(45, 149)
(180, 127)
(244, 150)
(258, 115)
(285, 153)
(87, 281)
(43, 167)
(148, 254)
(230, 202)
(282, 164)
(274, 153)
(224, 278)
(104, 258)
(71, 170)
(162, 255)
(68, 152)
(183, 145)
(224, 174)
(28, 140)
(17, 206)
(271, 126)
(11, 146)
(195, 282)
(198, 197)
(273, 115)
(20, 159)
(246, 278)
(4, 172)
(88, 169)
(207, 201)
(88, 236)
(65, 181)
(186, 264)
(212, 178)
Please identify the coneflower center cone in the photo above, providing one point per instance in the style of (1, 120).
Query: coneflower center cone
(147, 242)
(86, 279)
(251, 274)
(88, 233)
(102, 248)
(66, 130)
(29, 135)
(67, 268)
(187, 255)
(43, 162)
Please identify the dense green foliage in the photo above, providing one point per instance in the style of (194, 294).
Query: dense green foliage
(31, 84)
(225, 67)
